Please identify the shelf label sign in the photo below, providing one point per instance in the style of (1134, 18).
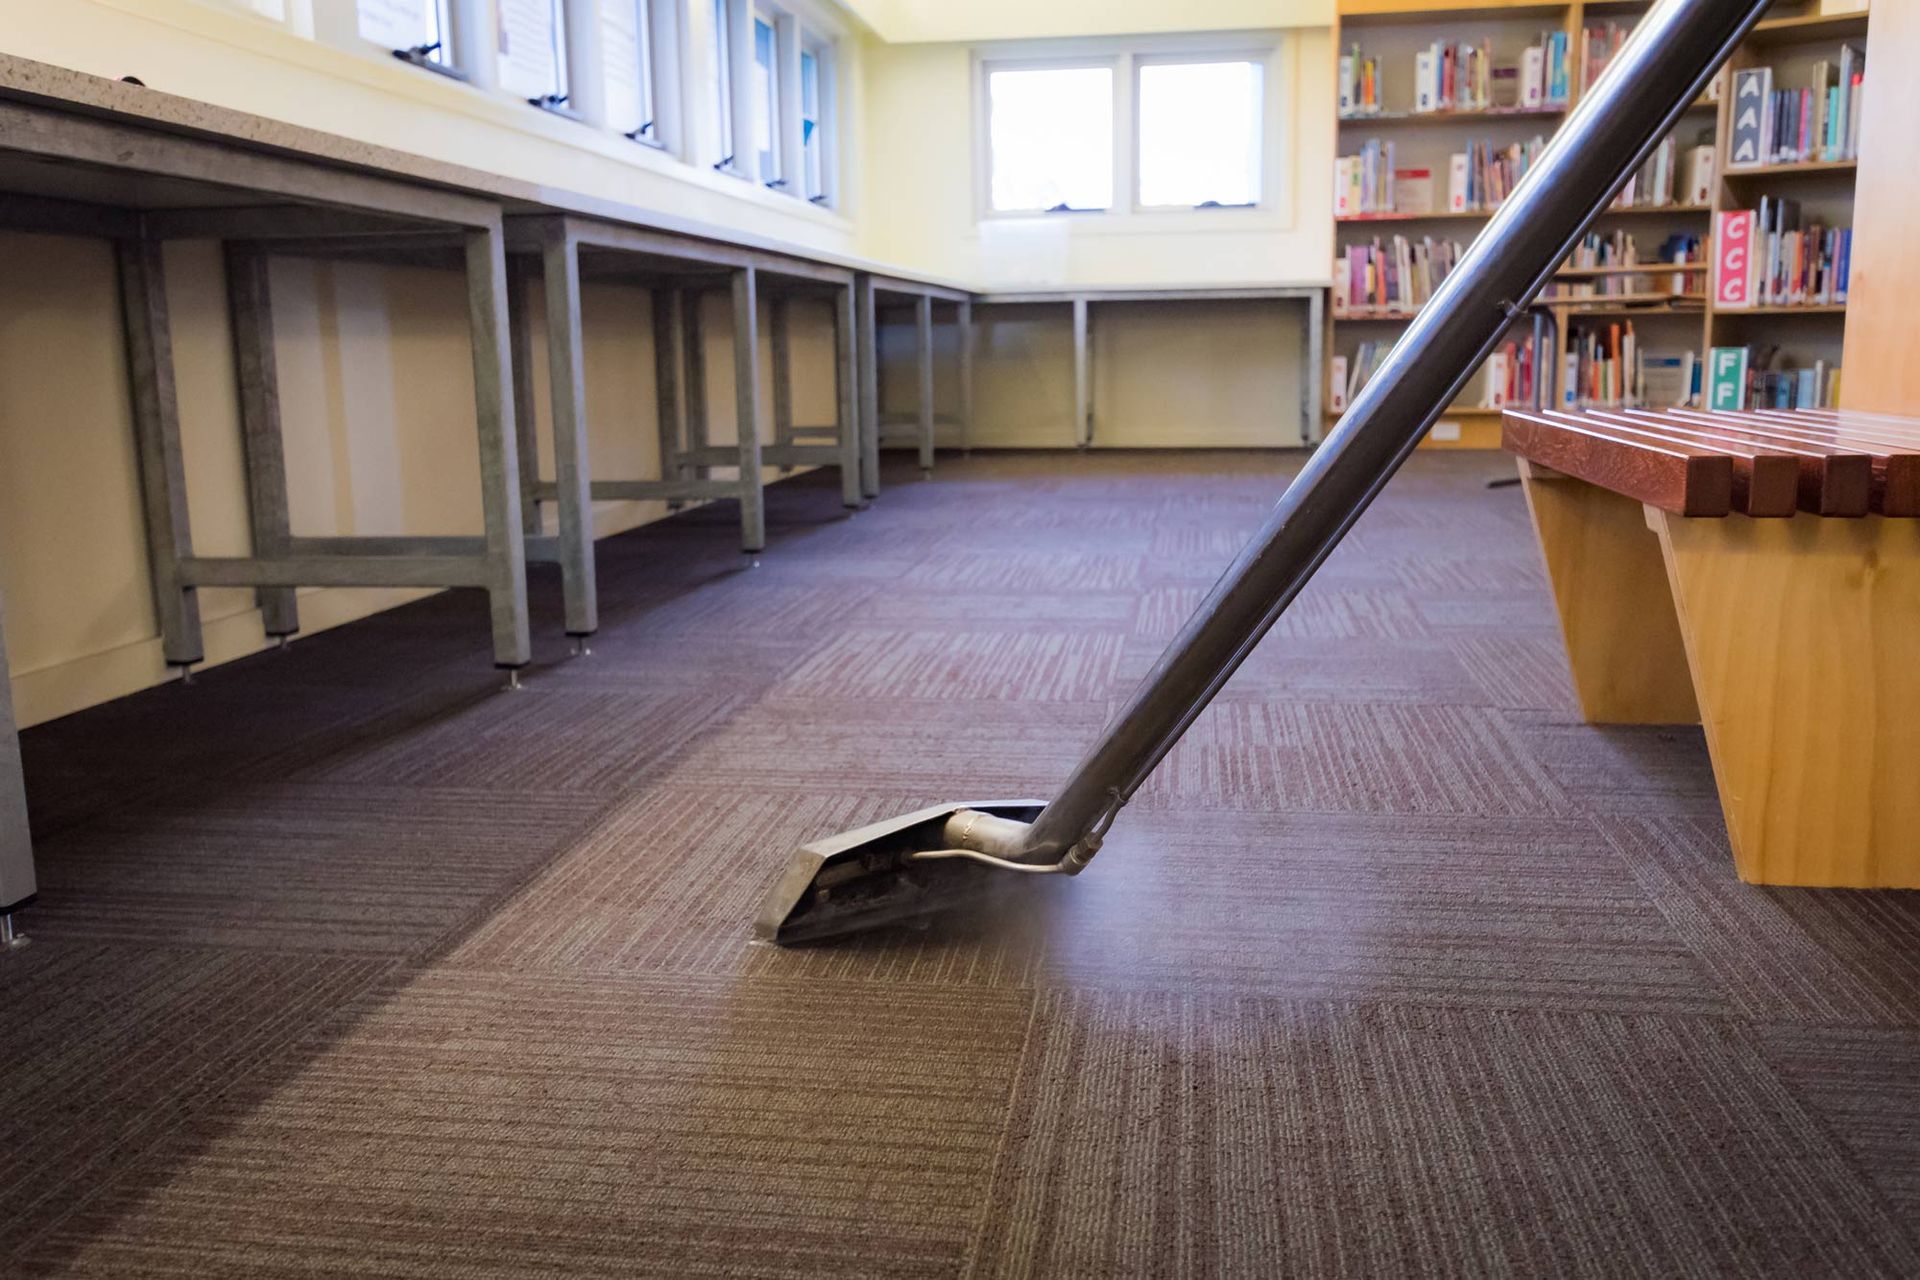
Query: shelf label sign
(1727, 378)
(1733, 235)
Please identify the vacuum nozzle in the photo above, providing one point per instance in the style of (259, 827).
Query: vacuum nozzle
(902, 869)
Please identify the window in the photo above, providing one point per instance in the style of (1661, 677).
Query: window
(533, 50)
(1130, 127)
(634, 35)
(1051, 137)
(1199, 134)
(723, 79)
(420, 31)
(813, 139)
(766, 101)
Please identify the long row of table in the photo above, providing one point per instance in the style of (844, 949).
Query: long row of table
(88, 157)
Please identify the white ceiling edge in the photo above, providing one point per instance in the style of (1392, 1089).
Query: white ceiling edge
(942, 21)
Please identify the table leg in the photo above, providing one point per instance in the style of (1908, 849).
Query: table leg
(566, 376)
(746, 391)
(17, 883)
(965, 322)
(525, 418)
(667, 360)
(506, 559)
(923, 325)
(1082, 378)
(250, 307)
(156, 426)
(847, 408)
(867, 357)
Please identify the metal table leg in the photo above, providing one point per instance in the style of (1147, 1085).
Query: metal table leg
(867, 355)
(17, 883)
(693, 346)
(1082, 378)
(964, 320)
(567, 377)
(846, 343)
(923, 328)
(780, 356)
(250, 304)
(506, 557)
(667, 313)
(156, 427)
(746, 391)
(525, 419)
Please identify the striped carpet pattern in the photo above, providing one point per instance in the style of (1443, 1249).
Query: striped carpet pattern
(349, 963)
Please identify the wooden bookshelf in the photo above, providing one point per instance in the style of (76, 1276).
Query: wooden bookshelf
(1794, 31)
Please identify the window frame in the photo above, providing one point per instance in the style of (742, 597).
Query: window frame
(1263, 121)
(774, 157)
(560, 98)
(1275, 51)
(337, 23)
(658, 25)
(824, 51)
(1111, 64)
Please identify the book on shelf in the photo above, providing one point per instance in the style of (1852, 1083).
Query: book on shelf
(1768, 258)
(1659, 181)
(1700, 166)
(1606, 367)
(1616, 250)
(1508, 375)
(1366, 361)
(1359, 84)
(1773, 125)
(1453, 76)
(1394, 275)
(1364, 182)
(1337, 385)
(1599, 45)
(1669, 380)
(1756, 377)
(1413, 190)
(1484, 175)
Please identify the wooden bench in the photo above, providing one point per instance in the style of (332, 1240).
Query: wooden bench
(1775, 602)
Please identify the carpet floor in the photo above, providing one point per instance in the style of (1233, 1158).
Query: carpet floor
(349, 962)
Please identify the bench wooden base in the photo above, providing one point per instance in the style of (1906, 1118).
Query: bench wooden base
(1794, 643)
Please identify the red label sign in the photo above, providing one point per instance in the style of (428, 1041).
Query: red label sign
(1733, 235)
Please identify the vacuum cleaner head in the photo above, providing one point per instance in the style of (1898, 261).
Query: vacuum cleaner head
(870, 877)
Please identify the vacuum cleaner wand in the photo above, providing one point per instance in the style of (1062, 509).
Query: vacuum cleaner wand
(920, 863)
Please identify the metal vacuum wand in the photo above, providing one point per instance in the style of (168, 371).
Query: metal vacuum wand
(916, 864)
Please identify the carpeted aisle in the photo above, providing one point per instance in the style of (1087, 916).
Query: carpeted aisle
(349, 963)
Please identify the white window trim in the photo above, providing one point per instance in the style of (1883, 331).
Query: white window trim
(797, 25)
(826, 60)
(1272, 49)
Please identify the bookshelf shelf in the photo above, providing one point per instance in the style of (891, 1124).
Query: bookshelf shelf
(1792, 170)
(1637, 269)
(1490, 114)
(1453, 411)
(1471, 215)
(1804, 309)
(1392, 33)
(1799, 28)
